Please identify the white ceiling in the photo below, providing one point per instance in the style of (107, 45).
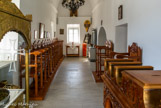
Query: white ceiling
(92, 2)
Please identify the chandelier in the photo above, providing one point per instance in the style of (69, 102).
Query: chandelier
(73, 5)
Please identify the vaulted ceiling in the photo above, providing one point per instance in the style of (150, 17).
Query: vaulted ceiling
(92, 2)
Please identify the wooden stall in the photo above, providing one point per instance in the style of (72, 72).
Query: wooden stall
(138, 89)
(134, 54)
(128, 84)
(45, 59)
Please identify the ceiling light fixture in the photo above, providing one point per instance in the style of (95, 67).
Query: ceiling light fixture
(73, 5)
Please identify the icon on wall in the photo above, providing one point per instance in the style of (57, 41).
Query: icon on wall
(42, 30)
(87, 39)
(61, 31)
(87, 24)
(120, 12)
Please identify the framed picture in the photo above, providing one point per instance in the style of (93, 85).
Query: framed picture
(41, 30)
(45, 34)
(61, 31)
(35, 34)
(54, 34)
(120, 12)
(87, 39)
(48, 35)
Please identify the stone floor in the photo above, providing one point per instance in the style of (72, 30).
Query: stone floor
(74, 87)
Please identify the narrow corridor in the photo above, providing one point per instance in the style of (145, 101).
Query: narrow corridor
(74, 87)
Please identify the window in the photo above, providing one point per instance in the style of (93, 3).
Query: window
(73, 33)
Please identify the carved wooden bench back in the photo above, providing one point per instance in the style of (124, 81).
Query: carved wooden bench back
(109, 47)
(135, 51)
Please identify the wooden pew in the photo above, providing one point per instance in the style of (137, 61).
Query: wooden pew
(118, 71)
(134, 54)
(113, 88)
(130, 85)
(120, 89)
(111, 66)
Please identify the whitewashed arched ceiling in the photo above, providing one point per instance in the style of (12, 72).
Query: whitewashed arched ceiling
(93, 3)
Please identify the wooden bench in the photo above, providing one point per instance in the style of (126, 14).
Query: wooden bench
(134, 54)
(123, 88)
(114, 96)
(118, 71)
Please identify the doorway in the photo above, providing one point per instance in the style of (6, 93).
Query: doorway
(121, 38)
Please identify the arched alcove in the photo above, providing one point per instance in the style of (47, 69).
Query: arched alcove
(12, 19)
(101, 40)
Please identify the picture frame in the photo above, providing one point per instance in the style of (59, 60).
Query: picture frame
(48, 35)
(54, 34)
(45, 34)
(41, 31)
(61, 31)
(120, 12)
(35, 34)
(87, 39)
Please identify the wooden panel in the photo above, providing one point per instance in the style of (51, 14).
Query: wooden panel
(119, 69)
(142, 88)
(146, 79)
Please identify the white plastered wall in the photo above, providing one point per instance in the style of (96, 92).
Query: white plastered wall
(43, 11)
(144, 25)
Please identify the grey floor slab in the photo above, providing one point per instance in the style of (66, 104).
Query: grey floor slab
(74, 86)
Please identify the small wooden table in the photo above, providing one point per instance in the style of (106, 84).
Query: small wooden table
(70, 55)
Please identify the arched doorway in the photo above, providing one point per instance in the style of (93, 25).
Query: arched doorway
(121, 38)
(12, 19)
(101, 40)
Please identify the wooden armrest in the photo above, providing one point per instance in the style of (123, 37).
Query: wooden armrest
(119, 69)
(100, 47)
(111, 66)
(106, 56)
(113, 54)
(136, 58)
(31, 65)
(106, 61)
(35, 53)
